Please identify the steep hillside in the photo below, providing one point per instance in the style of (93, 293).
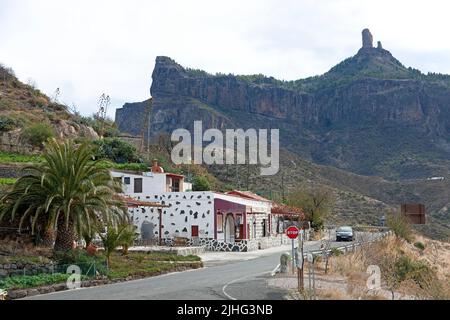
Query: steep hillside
(359, 199)
(22, 106)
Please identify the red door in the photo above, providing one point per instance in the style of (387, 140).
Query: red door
(194, 232)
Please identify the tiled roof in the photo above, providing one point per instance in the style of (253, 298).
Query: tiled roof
(281, 209)
(133, 203)
(248, 195)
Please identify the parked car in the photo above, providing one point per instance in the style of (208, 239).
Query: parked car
(345, 234)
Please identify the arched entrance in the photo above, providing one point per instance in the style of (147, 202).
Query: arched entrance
(230, 229)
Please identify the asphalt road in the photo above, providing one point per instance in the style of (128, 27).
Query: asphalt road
(240, 280)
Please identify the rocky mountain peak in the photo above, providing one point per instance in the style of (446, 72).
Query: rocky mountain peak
(367, 39)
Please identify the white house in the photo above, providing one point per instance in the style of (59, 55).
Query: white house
(238, 221)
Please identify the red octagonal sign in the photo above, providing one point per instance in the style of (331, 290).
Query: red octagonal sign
(292, 232)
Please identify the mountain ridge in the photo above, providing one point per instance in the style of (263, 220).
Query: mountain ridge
(369, 115)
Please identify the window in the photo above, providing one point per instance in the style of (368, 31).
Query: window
(127, 181)
(138, 185)
(264, 227)
(175, 185)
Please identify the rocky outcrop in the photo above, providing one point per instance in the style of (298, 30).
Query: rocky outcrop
(367, 39)
(12, 141)
(365, 111)
(69, 130)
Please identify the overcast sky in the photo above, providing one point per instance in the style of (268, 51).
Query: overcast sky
(90, 47)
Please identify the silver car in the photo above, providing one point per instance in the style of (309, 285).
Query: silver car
(345, 234)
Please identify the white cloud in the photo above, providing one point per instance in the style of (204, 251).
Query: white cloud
(90, 47)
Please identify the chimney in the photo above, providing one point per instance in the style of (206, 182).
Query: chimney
(367, 39)
(156, 168)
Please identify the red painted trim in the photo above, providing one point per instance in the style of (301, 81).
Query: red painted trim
(173, 175)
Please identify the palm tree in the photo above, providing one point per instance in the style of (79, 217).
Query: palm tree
(69, 189)
(123, 235)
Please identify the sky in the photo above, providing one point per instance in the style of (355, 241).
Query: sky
(90, 47)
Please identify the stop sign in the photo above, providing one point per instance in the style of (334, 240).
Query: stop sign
(292, 232)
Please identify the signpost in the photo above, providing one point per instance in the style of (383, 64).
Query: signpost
(301, 263)
(292, 233)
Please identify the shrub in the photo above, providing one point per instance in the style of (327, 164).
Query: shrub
(317, 203)
(201, 184)
(8, 124)
(335, 252)
(41, 101)
(400, 226)
(116, 150)
(37, 134)
(419, 245)
(408, 269)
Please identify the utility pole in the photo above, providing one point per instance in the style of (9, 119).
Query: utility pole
(248, 176)
(301, 265)
(146, 127)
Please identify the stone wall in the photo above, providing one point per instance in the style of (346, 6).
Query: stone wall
(21, 269)
(10, 142)
(238, 246)
(10, 171)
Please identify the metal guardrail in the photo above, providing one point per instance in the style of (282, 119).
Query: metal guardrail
(345, 249)
(350, 247)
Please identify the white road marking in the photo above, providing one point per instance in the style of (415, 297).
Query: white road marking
(274, 272)
(237, 280)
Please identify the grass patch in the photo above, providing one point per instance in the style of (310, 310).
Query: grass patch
(24, 282)
(7, 181)
(131, 265)
(162, 256)
(142, 264)
(6, 157)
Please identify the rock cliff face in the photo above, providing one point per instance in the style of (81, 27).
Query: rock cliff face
(369, 114)
(131, 117)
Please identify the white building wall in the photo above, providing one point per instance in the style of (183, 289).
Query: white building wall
(186, 209)
(152, 184)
